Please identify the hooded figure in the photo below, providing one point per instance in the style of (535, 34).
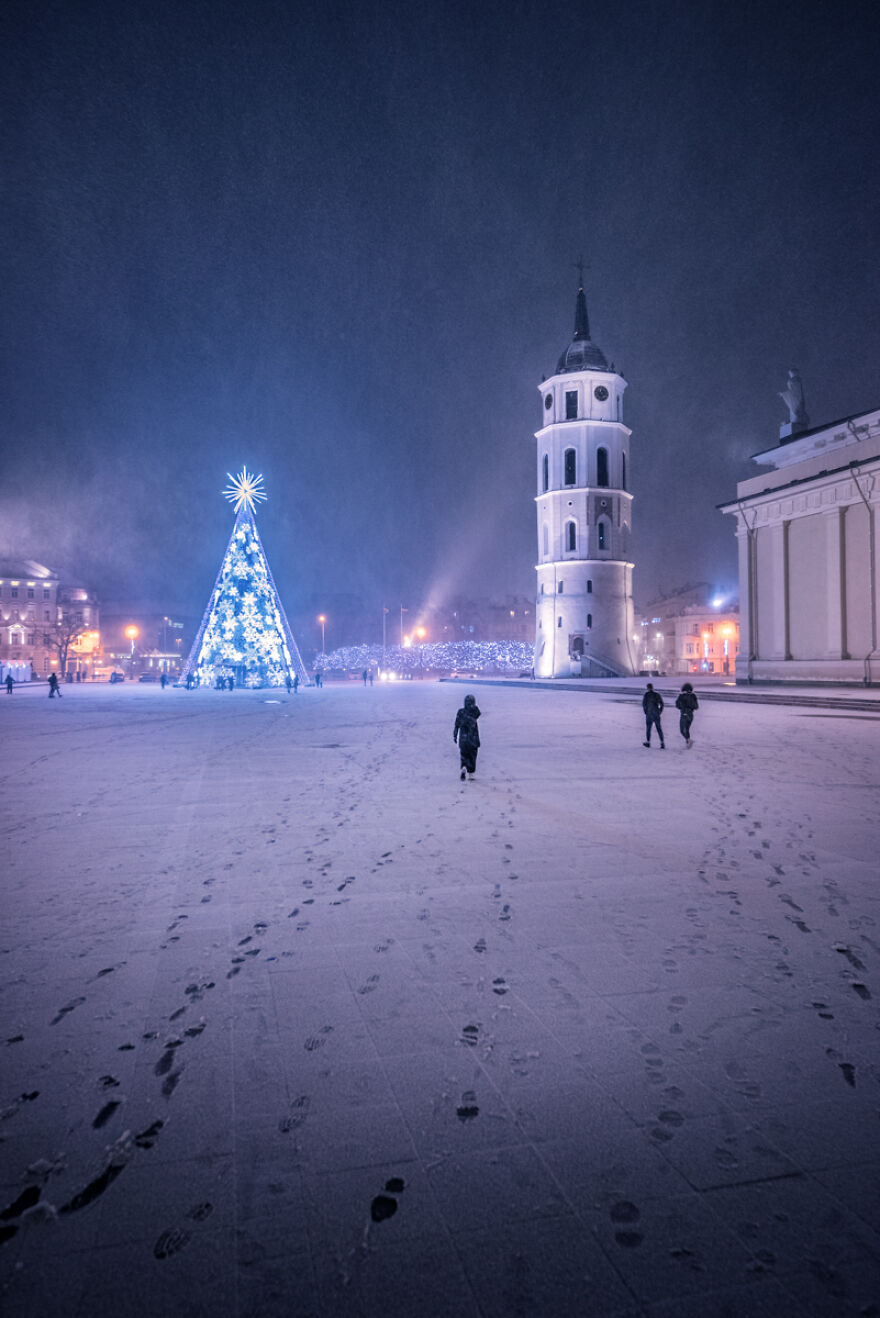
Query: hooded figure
(467, 734)
(686, 703)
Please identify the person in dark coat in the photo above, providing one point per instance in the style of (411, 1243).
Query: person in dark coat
(652, 704)
(295, 683)
(10, 683)
(54, 686)
(287, 682)
(686, 703)
(467, 734)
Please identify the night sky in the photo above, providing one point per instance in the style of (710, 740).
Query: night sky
(336, 242)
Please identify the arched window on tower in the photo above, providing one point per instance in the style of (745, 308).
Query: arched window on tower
(603, 534)
(570, 467)
(571, 537)
(623, 471)
(602, 466)
(589, 587)
(545, 473)
(589, 619)
(546, 540)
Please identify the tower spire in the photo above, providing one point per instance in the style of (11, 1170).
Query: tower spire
(581, 319)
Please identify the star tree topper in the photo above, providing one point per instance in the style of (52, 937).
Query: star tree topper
(245, 490)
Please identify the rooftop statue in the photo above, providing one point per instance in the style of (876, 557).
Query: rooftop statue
(793, 397)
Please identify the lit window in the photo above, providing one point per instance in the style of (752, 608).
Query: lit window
(602, 466)
(570, 466)
(571, 405)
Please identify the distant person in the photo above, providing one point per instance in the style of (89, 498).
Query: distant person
(189, 681)
(319, 679)
(364, 675)
(54, 686)
(467, 734)
(295, 683)
(9, 684)
(287, 682)
(686, 703)
(163, 681)
(230, 682)
(652, 704)
(370, 675)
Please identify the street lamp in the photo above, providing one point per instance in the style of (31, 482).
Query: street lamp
(402, 612)
(322, 618)
(131, 632)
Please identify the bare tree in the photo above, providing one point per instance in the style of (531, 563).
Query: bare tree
(63, 633)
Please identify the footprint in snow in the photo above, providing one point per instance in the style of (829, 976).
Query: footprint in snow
(385, 1205)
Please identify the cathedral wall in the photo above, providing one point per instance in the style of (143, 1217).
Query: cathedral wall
(807, 592)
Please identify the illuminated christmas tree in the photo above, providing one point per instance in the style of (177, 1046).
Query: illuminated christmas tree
(244, 633)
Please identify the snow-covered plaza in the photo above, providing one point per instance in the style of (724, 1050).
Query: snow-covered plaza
(296, 1023)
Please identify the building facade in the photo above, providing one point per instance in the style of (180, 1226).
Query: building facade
(693, 630)
(809, 558)
(28, 608)
(45, 626)
(583, 608)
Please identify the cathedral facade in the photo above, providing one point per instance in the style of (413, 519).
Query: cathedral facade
(584, 608)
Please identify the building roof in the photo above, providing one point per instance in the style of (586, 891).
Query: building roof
(582, 354)
(26, 568)
(767, 456)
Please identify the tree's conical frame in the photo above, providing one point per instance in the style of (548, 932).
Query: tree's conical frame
(244, 632)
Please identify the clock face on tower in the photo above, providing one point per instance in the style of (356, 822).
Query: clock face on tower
(548, 402)
(600, 392)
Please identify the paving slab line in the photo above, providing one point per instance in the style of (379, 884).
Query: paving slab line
(846, 704)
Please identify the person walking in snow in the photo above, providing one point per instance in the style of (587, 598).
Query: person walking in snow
(295, 683)
(686, 703)
(364, 676)
(9, 684)
(54, 688)
(287, 682)
(467, 734)
(652, 704)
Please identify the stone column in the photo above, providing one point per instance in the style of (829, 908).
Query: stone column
(776, 645)
(835, 584)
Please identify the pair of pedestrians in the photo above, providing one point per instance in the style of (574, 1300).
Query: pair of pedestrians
(652, 703)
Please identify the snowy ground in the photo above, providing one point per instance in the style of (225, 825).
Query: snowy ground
(296, 1023)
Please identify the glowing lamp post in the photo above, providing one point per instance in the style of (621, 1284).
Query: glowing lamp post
(420, 633)
(322, 619)
(131, 632)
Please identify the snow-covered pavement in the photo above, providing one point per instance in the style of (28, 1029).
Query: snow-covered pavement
(296, 1023)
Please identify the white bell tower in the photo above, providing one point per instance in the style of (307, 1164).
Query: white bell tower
(584, 609)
